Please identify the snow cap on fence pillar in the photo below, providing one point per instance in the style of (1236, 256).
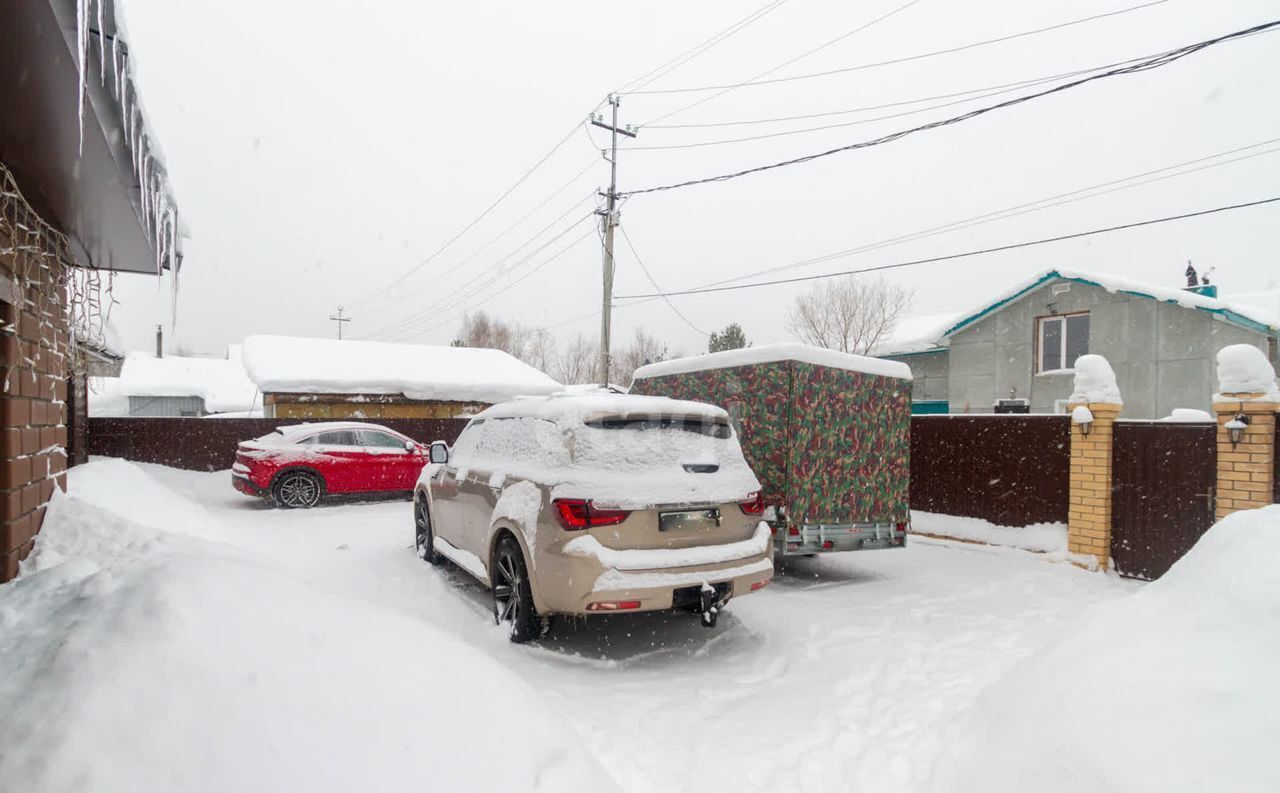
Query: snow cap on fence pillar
(1095, 382)
(1245, 375)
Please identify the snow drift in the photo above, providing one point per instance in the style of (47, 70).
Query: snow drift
(1172, 689)
(140, 659)
(1095, 381)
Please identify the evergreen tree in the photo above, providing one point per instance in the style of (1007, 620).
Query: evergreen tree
(731, 338)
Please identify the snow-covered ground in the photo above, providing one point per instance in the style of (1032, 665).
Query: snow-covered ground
(174, 635)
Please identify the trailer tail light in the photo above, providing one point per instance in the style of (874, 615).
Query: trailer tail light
(901, 528)
(794, 531)
(754, 505)
(576, 514)
(827, 545)
(760, 584)
(613, 605)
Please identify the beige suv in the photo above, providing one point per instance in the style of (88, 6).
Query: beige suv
(596, 503)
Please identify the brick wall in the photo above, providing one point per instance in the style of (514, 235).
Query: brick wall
(34, 368)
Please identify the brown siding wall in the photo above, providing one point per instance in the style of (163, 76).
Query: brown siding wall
(1010, 470)
(210, 444)
(358, 407)
(33, 392)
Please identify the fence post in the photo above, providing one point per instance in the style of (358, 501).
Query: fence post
(1089, 513)
(1246, 470)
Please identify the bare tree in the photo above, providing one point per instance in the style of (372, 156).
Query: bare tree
(481, 330)
(576, 362)
(644, 349)
(848, 314)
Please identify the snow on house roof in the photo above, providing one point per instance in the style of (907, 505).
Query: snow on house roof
(221, 382)
(916, 334)
(291, 364)
(578, 406)
(1243, 313)
(769, 353)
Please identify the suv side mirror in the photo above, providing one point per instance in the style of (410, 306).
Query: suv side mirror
(439, 452)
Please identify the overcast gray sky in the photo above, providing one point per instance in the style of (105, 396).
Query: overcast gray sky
(322, 151)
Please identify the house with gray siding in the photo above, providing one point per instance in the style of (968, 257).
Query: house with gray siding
(1015, 352)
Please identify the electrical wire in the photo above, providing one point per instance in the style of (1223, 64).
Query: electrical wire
(577, 240)
(1070, 197)
(861, 121)
(1147, 65)
(965, 254)
(905, 59)
(726, 89)
(631, 246)
(502, 197)
(468, 291)
(679, 60)
(1048, 78)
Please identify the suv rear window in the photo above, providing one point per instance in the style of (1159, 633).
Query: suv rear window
(699, 426)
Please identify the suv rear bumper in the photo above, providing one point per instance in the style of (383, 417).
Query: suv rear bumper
(609, 590)
(247, 487)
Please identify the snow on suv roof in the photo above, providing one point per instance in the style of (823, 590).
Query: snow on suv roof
(770, 353)
(578, 406)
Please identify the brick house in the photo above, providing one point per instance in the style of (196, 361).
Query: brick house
(82, 192)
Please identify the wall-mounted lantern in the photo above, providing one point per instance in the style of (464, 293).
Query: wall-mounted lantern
(1235, 429)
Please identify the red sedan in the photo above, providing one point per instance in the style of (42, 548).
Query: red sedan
(299, 465)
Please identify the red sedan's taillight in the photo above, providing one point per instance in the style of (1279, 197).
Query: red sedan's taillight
(576, 514)
(754, 505)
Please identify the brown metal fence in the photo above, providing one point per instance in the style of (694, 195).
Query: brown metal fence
(1010, 470)
(198, 444)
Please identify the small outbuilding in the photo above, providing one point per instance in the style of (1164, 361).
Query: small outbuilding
(309, 378)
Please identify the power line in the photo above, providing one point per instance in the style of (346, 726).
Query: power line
(882, 106)
(463, 293)
(726, 89)
(859, 122)
(1146, 65)
(965, 254)
(698, 49)
(1050, 202)
(905, 59)
(577, 240)
(448, 243)
(631, 246)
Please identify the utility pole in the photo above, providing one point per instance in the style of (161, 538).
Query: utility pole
(339, 318)
(610, 221)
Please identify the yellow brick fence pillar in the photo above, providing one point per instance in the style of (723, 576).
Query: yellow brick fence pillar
(1246, 471)
(1089, 513)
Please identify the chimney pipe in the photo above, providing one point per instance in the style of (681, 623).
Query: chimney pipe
(159, 341)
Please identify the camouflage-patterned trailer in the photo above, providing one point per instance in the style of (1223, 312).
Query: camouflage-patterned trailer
(827, 434)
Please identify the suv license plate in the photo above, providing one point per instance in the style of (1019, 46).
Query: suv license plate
(689, 521)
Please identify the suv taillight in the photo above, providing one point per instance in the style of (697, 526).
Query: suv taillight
(753, 505)
(576, 514)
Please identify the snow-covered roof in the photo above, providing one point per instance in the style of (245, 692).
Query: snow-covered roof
(1240, 312)
(769, 353)
(221, 382)
(290, 364)
(578, 406)
(921, 333)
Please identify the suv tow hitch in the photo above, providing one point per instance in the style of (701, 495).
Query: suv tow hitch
(709, 605)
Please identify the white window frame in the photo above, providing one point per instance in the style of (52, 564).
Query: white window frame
(1040, 322)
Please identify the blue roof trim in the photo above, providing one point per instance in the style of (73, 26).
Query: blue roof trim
(1226, 313)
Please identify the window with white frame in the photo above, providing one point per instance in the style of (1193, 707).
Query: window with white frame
(1060, 341)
